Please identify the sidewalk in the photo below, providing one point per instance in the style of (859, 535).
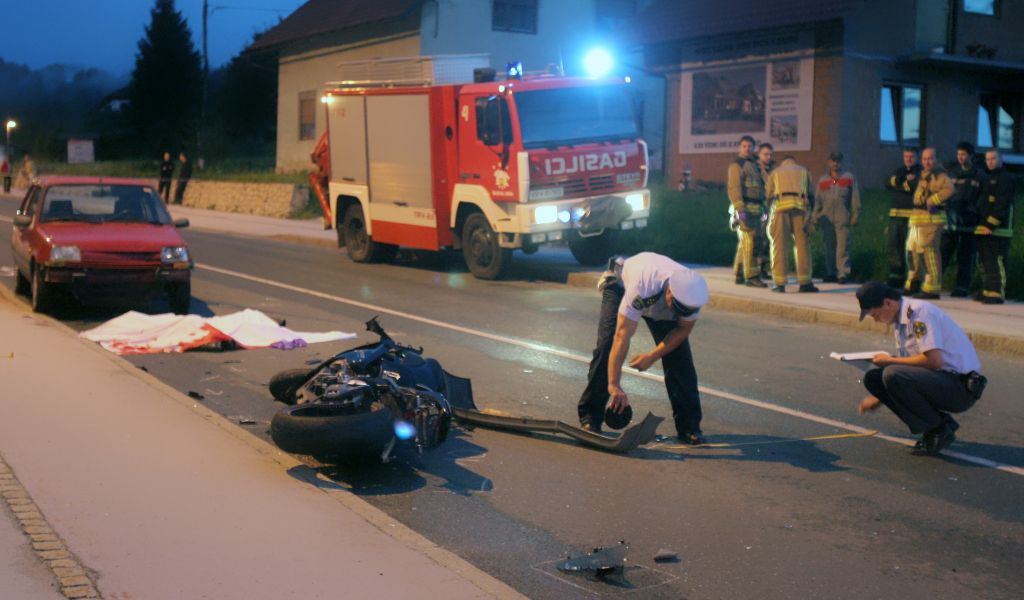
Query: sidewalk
(994, 328)
(130, 489)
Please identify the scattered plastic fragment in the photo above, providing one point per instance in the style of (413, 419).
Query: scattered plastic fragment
(196, 395)
(599, 561)
(143, 367)
(666, 556)
(246, 421)
(313, 361)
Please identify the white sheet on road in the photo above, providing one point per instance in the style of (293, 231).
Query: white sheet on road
(139, 333)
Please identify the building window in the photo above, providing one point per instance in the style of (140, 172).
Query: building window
(900, 121)
(981, 7)
(997, 121)
(307, 115)
(519, 16)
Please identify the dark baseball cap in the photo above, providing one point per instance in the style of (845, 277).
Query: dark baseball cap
(873, 294)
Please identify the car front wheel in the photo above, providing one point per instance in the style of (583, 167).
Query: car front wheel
(42, 292)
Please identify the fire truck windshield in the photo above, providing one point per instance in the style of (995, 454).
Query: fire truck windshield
(575, 115)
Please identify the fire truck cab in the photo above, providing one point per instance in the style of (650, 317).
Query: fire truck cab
(486, 167)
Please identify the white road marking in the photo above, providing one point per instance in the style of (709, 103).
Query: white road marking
(586, 360)
(6, 219)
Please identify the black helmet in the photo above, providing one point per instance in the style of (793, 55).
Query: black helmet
(618, 420)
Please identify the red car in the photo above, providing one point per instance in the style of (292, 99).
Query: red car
(99, 236)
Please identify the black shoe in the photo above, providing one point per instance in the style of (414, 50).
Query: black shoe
(755, 282)
(842, 280)
(943, 438)
(807, 288)
(740, 280)
(925, 445)
(830, 279)
(992, 300)
(779, 289)
(586, 426)
(928, 296)
(692, 439)
(960, 293)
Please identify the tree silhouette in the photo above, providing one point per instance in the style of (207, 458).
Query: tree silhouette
(166, 85)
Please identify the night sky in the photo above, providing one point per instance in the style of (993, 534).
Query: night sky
(105, 33)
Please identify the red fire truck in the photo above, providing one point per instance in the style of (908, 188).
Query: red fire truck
(487, 167)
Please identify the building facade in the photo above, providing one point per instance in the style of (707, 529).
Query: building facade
(864, 77)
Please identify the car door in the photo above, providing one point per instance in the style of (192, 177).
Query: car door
(21, 237)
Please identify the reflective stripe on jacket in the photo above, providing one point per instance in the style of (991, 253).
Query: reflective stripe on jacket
(788, 187)
(930, 197)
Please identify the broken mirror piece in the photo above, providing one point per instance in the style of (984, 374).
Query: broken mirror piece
(599, 561)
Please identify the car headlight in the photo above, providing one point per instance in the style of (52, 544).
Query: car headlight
(65, 254)
(545, 214)
(173, 254)
(636, 201)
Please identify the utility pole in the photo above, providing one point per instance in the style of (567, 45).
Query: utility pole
(206, 76)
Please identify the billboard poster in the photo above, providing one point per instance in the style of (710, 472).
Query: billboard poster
(771, 101)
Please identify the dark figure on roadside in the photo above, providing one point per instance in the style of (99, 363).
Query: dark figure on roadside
(745, 186)
(927, 222)
(901, 184)
(5, 172)
(166, 174)
(837, 210)
(789, 196)
(763, 257)
(995, 227)
(184, 174)
(668, 296)
(936, 372)
(962, 219)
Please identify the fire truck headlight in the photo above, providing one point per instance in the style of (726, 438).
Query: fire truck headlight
(636, 201)
(545, 214)
(598, 62)
(564, 216)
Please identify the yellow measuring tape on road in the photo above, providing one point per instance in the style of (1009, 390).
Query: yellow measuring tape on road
(837, 436)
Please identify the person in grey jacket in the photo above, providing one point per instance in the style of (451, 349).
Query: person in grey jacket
(837, 209)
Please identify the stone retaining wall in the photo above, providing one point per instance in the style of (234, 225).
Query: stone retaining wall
(265, 199)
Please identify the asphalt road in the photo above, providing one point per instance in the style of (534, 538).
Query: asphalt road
(775, 513)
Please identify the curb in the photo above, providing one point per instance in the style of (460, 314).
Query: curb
(982, 341)
(486, 583)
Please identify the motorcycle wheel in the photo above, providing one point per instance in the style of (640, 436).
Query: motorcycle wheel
(326, 429)
(284, 385)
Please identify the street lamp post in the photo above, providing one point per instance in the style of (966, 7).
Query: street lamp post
(11, 124)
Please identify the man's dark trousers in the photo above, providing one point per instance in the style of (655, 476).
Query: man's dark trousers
(917, 395)
(896, 245)
(680, 374)
(963, 244)
(164, 190)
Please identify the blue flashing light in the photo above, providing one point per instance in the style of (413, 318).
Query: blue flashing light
(598, 62)
(514, 70)
(404, 430)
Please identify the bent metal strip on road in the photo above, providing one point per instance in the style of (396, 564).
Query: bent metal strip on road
(586, 360)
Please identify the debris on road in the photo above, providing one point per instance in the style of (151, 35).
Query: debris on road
(666, 556)
(601, 562)
(196, 395)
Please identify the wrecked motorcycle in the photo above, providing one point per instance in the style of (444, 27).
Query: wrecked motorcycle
(365, 400)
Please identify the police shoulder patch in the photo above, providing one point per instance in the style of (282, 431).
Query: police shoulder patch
(638, 303)
(920, 329)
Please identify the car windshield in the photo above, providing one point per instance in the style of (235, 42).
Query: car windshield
(101, 203)
(575, 115)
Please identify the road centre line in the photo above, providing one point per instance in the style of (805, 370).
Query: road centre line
(586, 360)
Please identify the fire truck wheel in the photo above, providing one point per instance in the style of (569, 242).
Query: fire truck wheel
(485, 258)
(361, 247)
(594, 250)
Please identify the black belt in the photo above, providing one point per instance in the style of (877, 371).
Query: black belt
(793, 194)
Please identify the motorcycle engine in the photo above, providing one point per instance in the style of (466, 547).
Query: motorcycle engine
(337, 384)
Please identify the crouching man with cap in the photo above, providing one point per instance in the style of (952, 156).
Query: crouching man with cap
(669, 297)
(935, 373)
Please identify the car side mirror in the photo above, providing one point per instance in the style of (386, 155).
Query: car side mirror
(179, 223)
(22, 220)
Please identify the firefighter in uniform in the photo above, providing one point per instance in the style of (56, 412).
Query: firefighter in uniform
(901, 185)
(995, 227)
(837, 209)
(935, 373)
(961, 219)
(745, 187)
(765, 162)
(668, 296)
(927, 222)
(788, 196)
